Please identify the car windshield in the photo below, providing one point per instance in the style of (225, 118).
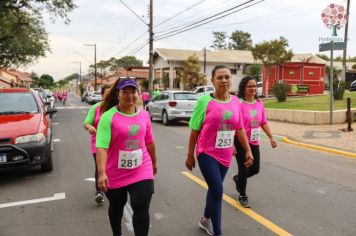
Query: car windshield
(97, 94)
(17, 103)
(185, 96)
(209, 89)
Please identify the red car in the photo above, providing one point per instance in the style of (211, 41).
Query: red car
(25, 130)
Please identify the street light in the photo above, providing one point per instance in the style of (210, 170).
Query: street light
(93, 45)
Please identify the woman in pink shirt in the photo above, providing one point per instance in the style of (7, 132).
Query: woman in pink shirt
(145, 98)
(215, 122)
(254, 118)
(126, 156)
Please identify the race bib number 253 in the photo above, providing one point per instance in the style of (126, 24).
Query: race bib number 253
(224, 139)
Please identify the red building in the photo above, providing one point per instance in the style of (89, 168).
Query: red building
(305, 78)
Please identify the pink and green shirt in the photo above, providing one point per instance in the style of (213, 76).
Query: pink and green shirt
(217, 121)
(254, 116)
(124, 136)
(93, 118)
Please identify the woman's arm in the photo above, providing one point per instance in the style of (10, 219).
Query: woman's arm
(101, 157)
(190, 162)
(91, 129)
(151, 148)
(241, 135)
(267, 130)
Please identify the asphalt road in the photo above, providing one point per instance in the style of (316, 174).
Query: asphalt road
(297, 192)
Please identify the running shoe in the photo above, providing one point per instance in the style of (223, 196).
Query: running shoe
(243, 200)
(99, 198)
(205, 224)
(235, 178)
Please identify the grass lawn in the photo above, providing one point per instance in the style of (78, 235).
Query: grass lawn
(317, 103)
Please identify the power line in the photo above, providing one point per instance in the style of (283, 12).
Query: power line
(205, 19)
(193, 26)
(130, 44)
(138, 48)
(179, 13)
(133, 12)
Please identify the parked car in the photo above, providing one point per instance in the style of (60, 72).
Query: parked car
(353, 86)
(49, 97)
(26, 133)
(94, 97)
(259, 89)
(172, 106)
(201, 90)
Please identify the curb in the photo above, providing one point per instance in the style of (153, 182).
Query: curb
(312, 146)
(320, 148)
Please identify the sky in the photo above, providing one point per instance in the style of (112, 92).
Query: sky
(117, 32)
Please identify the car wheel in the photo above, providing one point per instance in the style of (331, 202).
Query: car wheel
(47, 166)
(165, 119)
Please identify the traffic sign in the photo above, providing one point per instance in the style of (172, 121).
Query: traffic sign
(327, 46)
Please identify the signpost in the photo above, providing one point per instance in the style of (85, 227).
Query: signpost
(334, 17)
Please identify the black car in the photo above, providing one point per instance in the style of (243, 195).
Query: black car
(353, 86)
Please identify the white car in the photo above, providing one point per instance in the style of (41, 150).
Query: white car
(49, 97)
(201, 90)
(94, 97)
(172, 106)
(259, 89)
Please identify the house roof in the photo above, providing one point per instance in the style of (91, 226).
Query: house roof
(19, 75)
(225, 56)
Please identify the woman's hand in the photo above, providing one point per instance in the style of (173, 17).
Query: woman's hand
(103, 182)
(249, 159)
(154, 166)
(190, 162)
(91, 130)
(273, 143)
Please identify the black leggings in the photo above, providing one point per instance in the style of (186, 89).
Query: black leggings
(245, 172)
(96, 174)
(140, 199)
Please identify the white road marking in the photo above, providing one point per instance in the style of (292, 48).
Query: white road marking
(56, 196)
(180, 147)
(55, 123)
(90, 179)
(56, 140)
(128, 212)
(158, 216)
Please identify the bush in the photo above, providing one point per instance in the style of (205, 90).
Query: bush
(280, 91)
(339, 90)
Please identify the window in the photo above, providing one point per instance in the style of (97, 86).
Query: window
(17, 103)
(185, 96)
(201, 90)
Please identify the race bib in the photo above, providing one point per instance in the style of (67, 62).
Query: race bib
(255, 134)
(130, 159)
(225, 139)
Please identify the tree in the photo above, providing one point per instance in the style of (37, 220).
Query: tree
(35, 80)
(254, 70)
(323, 56)
(46, 81)
(23, 38)
(272, 52)
(190, 74)
(219, 41)
(240, 40)
(124, 62)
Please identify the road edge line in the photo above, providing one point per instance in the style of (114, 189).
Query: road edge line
(247, 211)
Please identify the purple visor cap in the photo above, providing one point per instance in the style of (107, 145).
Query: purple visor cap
(127, 82)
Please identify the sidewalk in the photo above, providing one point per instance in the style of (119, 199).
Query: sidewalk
(329, 136)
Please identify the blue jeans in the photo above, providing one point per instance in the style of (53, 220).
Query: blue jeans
(214, 174)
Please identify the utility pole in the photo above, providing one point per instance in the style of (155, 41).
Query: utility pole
(95, 80)
(150, 29)
(345, 41)
(204, 60)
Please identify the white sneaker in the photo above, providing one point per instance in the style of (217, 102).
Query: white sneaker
(99, 198)
(205, 224)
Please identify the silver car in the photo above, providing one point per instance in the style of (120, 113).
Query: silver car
(172, 106)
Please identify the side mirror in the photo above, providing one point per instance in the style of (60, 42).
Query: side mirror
(48, 96)
(47, 103)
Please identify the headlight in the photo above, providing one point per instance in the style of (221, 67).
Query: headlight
(30, 138)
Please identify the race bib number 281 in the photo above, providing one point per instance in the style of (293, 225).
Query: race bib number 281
(130, 159)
